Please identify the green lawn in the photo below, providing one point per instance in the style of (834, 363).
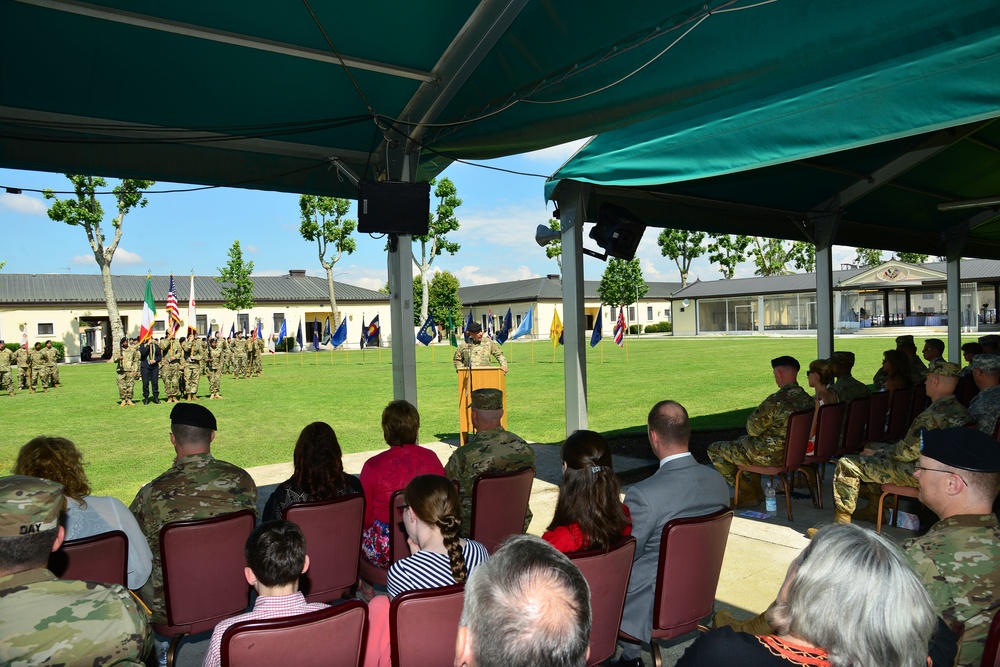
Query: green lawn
(719, 380)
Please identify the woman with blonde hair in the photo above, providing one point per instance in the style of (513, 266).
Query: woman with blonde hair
(819, 376)
(58, 460)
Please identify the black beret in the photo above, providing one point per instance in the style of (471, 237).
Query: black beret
(124, 340)
(959, 447)
(785, 361)
(193, 415)
(475, 327)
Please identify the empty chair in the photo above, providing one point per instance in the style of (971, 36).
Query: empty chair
(333, 538)
(691, 554)
(876, 418)
(423, 626)
(331, 637)
(919, 402)
(855, 427)
(203, 580)
(966, 389)
(896, 490)
(499, 505)
(899, 414)
(829, 424)
(102, 558)
(796, 439)
(398, 549)
(607, 574)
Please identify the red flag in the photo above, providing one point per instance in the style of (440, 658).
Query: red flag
(620, 327)
(173, 312)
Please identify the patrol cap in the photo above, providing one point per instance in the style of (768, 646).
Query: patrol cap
(842, 357)
(989, 339)
(192, 414)
(785, 361)
(475, 327)
(988, 361)
(960, 447)
(945, 369)
(29, 505)
(906, 340)
(487, 399)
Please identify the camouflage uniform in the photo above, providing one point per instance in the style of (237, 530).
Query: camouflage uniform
(893, 463)
(6, 381)
(985, 408)
(227, 355)
(847, 388)
(194, 352)
(127, 360)
(258, 348)
(23, 368)
(239, 358)
(213, 368)
(171, 368)
(764, 443)
(39, 369)
(957, 563)
(480, 353)
(492, 450)
(51, 357)
(918, 371)
(196, 487)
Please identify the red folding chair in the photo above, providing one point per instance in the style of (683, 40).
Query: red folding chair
(398, 549)
(796, 440)
(102, 558)
(333, 538)
(607, 574)
(499, 505)
(423, 626)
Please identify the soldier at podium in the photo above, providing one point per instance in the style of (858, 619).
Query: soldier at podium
(479, 349)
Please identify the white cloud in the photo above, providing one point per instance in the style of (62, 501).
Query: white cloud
(22, 203)
(122, 257)
(470, 275)
(510, 226)
(556, 155)
(252, 248)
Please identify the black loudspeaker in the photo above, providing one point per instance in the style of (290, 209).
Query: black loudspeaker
(617, 231)
(393, 207)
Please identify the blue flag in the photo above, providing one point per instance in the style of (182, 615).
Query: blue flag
(283, 332)
(340, 335)
(298, 337)
(468, 323)
(364, 330)
(504, 333)
(427, 332)
(232, 331)
(260, 329)
(315, 335)
(595, 337)
(326, 332)
(525, 327)
(209, 334)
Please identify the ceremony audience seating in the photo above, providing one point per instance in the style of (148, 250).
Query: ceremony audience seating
(333, 540)
(896, 490)
(829, 425)
(691, 554)
(102, 558)
(899, 414)
(877, 416)
(203, 580)
(991, 655)
(966, 389)
(607, 574)
(499, 505)
(919, 403)
(398, 549)
(796, 440)
(423, 626)
(331, 637)
(856, 427)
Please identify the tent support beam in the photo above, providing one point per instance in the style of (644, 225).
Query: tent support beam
(824, 230)
(572, 202)
(400, 268)
(954, 292)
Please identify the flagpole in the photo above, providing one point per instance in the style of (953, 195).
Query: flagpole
(601, 343)
(626, 350)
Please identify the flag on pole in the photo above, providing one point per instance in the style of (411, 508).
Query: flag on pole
(260, 329)
(556, 332)
(427, 331)
(364, 330)
(373, 332)
(505, 327)
(148, 313)
(192, 320)
(598, 334)
(298, 337)
(270, 339)
(326, 332)
(282, 333)
(208, 334)
(468, 323)
(489, 324)
(451, 327)
(232, 331)
(173, 312)
(315, 335)
(525, 327)
(620, 327)
(340, 335)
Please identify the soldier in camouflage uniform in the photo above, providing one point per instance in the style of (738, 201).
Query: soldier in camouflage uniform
(213, 368)
(892, 463)
(126, 360)
(959, 473)
(847, 387)
(6, 359)
(39, 369)
(491, 449)
(194, 353)
(764, 443)
(23, 367)
(51, 359)
(226, 345)
(170, 369)
(258, 348)
(197, 486)
(50, 621)
(478, 350)
(239, 356)
(985, 406)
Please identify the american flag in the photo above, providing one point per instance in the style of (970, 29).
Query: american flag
(620, 327)
(173, 312)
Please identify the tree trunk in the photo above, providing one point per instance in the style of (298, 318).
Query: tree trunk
(425, 269)
(333, 297)
(117, 331)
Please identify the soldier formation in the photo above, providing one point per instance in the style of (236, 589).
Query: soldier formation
(35, 365)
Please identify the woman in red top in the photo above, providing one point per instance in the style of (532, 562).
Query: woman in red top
(589, 512)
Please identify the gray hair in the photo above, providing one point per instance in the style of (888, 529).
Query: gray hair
(528, 606)
(852, 594)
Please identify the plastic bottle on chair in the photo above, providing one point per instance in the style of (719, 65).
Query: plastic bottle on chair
(770, 501)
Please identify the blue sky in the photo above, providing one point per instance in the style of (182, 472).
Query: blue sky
(182, 232)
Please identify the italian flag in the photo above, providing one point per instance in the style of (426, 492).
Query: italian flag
(148, 313)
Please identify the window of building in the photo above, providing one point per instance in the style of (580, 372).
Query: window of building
(159, 326)
(243, 322)
(278, 319)
(46, 329)
(649, 313)
(631, 313)
(518, 320)
(201, 324)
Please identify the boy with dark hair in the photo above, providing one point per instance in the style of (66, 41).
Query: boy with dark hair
(276, 556)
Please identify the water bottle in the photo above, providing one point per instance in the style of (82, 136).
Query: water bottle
(770, 502)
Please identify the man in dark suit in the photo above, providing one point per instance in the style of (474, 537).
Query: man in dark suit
(680, 488)
(149, 366)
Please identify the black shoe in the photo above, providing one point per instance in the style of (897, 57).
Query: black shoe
(145, 401)
(624, 662)
(156, 400)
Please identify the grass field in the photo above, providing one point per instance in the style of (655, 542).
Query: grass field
(719, 380)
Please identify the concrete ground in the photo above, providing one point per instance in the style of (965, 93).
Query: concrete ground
(757, 555)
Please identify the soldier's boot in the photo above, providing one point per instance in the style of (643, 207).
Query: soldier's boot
(122, 404)
(757, 625)
(838, 517)
(751, 494)
(32, 390)
(11, 393)
(44, 390)
(869, 513)
(130, 402)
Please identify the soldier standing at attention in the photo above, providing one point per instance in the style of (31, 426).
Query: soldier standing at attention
(226, 345)
(239, 356)
(491, 449)
(51, 357)
(23, 367)
(50, 621)
(39, 370)
(194, 352)
(127, 366)
(6, 359)
(258, 346)
(171, 369)
(213, 366)
(478, 350)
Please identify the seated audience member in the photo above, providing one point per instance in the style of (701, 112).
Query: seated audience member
(847, 387)
(59, 460)
(896, 372)
(318, 474)
(385, 473)
(589, 512)
(985, 406)
(276, 557)
(969, 351)
(50, 621)
(933, 351)
(990, 343)
(918, 370)
(529, 606)
(849, 599)
(819, 375)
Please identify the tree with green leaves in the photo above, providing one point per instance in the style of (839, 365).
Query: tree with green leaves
(683, 247)
(238, 294)
(323, 222)
(86, 212)
(622, 283)
(443, 295)
(418, 298)
(867, 256)
(911, 257)
(772, 256)
(435, 242)
(728, 251)
(553, 249)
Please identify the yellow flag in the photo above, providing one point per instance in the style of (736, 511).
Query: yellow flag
(556, 332)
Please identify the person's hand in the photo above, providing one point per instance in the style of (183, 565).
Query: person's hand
(867, 452)
(504, 369)
(414, 548)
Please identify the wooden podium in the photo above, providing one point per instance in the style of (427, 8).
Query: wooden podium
(470, 379)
